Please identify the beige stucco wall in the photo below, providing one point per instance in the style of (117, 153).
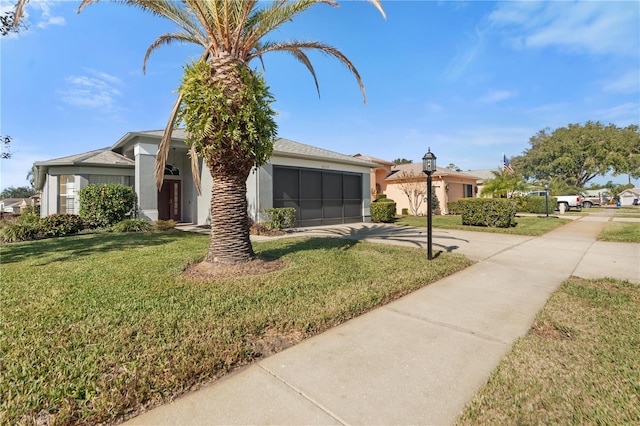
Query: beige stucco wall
(439, 184)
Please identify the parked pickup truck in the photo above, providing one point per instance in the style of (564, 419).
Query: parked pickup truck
(565, 202)
(588, 201)
(569, 202)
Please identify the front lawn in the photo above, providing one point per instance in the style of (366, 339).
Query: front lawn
(624, 232)
(579, 363)
(96, 326)
(525, 225)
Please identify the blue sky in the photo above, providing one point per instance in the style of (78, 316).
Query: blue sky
(470, 80)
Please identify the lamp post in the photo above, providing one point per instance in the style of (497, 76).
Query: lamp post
(546, 198)
(428, 167)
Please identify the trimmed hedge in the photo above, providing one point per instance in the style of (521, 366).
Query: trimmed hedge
(453, 207)
(108, 204)
(535, 204)
(383, 210)
(490, 212)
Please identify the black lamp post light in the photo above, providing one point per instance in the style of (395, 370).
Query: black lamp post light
(428, 167)
(546, 203)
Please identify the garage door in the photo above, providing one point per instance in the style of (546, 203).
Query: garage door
(320, 197)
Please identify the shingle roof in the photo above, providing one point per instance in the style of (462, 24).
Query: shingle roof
(289, 148)
(416, 170)
(373, 159)
(104, 157)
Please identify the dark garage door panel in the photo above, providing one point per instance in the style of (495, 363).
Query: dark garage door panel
(319, 197)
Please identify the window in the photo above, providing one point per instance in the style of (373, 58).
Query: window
(103, 179)
(468, 191)
(67, 193)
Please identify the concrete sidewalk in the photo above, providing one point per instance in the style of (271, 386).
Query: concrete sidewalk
(420, 359)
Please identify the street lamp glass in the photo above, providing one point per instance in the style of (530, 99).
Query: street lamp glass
(429, 162)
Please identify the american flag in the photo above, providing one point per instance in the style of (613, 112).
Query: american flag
(505, 164)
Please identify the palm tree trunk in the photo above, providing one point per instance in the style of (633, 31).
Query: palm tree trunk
(229, 242)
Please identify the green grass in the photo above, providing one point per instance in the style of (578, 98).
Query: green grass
(94, 327)
(579, 363)
(625, 232)
(525, 225)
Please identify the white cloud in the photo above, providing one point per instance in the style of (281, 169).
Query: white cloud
(465, 55)
(494, 96)
(625, 83)
(97, 90)
(593, 27)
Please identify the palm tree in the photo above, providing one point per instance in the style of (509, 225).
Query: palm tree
(503, 185)
(224, 104)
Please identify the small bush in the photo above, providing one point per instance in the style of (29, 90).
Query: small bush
(104, 205)
(453, 207)
(490, 212)
(59, 224)
(281, 218)
(383, 210)
(20, 232)
(32, 210)
(164, 225)
(132, 225)
(405, 212)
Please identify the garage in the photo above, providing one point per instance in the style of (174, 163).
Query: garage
(320, 197)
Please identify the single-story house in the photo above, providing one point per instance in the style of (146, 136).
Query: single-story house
(14, 205)
(628, 196)
(447, 185)
(324, 186)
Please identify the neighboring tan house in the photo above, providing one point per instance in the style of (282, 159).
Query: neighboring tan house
(483, 175)
(378, 174)
(628, 196)
(325, 187)
(448, 185)
(14, 205)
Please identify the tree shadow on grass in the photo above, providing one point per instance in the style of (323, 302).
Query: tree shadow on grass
(393, 234)
(67, 248)
(304, 243)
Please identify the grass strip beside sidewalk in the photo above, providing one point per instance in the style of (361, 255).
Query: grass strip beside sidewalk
(524, 225)
(579, 363)
(95, 327)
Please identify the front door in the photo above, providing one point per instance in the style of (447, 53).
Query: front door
(169, 201)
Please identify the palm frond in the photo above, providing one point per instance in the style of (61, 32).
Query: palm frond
(18, 11)
(165, 143)
(167, 39)
(195, 168)
(296, 48)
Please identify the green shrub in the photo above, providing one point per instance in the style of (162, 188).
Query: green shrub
(32, 210)
(535, 204)
(132, 225)
(383, 197)
(490, 212)
(405, 212)
(453, 207)
(383, 210)
(435, 203)
(281, 218)
(104, 205)
(22, 231)
(164, 225)
(59, 224)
